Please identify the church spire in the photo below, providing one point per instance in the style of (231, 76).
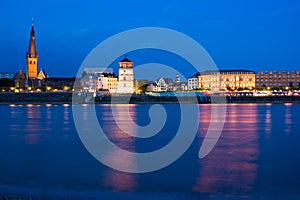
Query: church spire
(32, 53)
(32, 56)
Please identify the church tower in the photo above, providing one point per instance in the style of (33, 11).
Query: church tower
(125, 84)
(31, 57)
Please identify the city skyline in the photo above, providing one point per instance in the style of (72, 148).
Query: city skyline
(255, 36)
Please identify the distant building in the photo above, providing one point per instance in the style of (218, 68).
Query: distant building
(165, 84)
(278, 79)
(125, 84)
(94, 79)
(217, 80)
(108, 81)
(20, 80)
(42, 75)
(183, 86)
(177, 79)
(193, 82)
(57, 82)
(97, 70)
(89, 82)
(153, 87)
(140, 84)
(9, 75)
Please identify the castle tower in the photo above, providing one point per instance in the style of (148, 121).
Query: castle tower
(125, 84)
(31, 57)
(177, 78)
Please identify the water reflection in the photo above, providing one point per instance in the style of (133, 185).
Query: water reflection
(115, 180)
(37, 151)
(288, 118)
(268, 120)
(33, 125)
(66, 117)
(231, 166)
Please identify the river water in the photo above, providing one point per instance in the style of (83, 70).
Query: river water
(256, 157)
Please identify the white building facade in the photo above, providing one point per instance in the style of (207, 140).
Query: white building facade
(193, 83)
(126, 83)
(108, 81)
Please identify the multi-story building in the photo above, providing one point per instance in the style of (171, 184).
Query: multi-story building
(108, 81)
(165, 84)
(217, 80)
(58, 83)
(97, 78)
(125, 84)
(89, 82)
(193, 81)
(278, 79)
(152, 87)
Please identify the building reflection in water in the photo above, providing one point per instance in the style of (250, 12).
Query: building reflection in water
(268, 120)
(232, 165)
(288, 117)
(16, 116)
(33, 127)
(115, 180)
(66, 122)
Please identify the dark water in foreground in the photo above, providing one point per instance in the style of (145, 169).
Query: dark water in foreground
(257, 156)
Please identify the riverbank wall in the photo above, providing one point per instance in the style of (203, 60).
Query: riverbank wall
(66, 97)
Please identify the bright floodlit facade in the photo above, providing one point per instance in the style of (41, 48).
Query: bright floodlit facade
(221, 80)
(126, 84)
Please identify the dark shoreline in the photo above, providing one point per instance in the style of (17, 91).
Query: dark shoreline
(66, 98)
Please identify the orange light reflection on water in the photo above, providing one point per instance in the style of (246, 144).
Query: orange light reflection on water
(231, 164)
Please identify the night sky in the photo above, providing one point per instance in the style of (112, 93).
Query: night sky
(248, 34)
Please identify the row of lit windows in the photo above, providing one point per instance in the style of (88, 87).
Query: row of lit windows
(266, 80)
(275, 76)
(274, 84)
(125, 65)
(280, 72)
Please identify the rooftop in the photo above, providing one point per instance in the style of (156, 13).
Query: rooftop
(125, 60)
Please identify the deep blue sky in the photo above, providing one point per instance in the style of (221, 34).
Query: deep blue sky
(250, 34)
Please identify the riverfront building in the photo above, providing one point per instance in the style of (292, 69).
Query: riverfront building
(32, 78)
(193, 81)
(221, 80)
(125, 84)
(108, 82)
(278, 79)
(95, 79)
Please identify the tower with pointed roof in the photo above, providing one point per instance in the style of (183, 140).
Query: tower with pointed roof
(125, 84)
(32, 57)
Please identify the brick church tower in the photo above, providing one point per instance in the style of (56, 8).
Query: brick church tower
(32, 57)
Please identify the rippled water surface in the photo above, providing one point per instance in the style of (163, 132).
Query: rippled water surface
(257, 155)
